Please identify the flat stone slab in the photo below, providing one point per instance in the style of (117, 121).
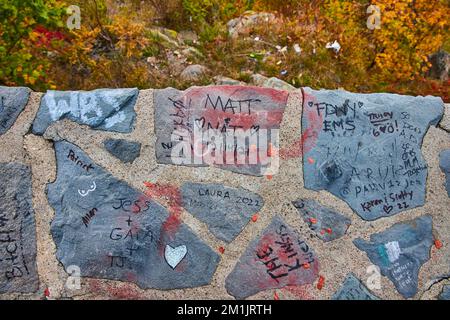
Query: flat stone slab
(275, 259)
(12, 102)
(444, 163)
(366, 148)
(400, 251)
(124, 150)
(17, 230)
(353, 289)
(225, 210)
(445, 294)
(326, 223)
(112, 231)
(201, 127)
(102, 109)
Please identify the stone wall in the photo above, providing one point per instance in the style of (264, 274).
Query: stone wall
(100, 199)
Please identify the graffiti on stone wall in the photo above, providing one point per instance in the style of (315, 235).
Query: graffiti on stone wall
(368, 150)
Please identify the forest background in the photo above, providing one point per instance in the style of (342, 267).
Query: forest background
(379, 46)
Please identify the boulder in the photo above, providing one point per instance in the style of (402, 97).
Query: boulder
(245, 23)
(440, 65)
(219, 80)
(193, 73)
(275, 83)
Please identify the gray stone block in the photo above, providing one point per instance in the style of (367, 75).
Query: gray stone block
(103, 109)
(400, 251)
(366, 148)
(218, 113)
(124, 150)
(225, 210)
(326, 223)
(112, 231)
(18, 271)
(353, 289)
(444, 163)
(12, 102)
(277, 258)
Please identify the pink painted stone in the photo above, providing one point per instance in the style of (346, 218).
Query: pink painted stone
(224, 109)
(276, 259)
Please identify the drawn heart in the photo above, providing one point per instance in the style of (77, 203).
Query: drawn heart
(383, 129)
(254, 129)
(175, 255)
(310, 104)
(200, 122)
(388, 209)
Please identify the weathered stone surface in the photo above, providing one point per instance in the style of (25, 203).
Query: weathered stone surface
(193, 72)
(112, 231)
(194, 127)
(444, 163)
(245, 23)
(274, 83)
(126, 151)
(103, 109)
(445, 122)
(400, 251)
(225, 210)
(12, 103)
(326, 223)
(220, 81)
(445, 294)
(17, 230)
(366, 148)
(353, 289)
(275, 259)
(191, 52)
(258, 79)
(440, 65)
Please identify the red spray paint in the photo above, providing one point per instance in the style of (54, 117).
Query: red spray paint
(310, 133)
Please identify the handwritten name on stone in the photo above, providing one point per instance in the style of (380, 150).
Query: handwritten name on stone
(116, 232)
(225, 210)
(225, 110)
(17, 230)
(367, 148)
(400, 251)
(12, 103)
(103, 109)
(326, 223)
(353, 289)
(275, 259)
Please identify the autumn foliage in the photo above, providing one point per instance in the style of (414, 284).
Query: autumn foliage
(130, 43)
